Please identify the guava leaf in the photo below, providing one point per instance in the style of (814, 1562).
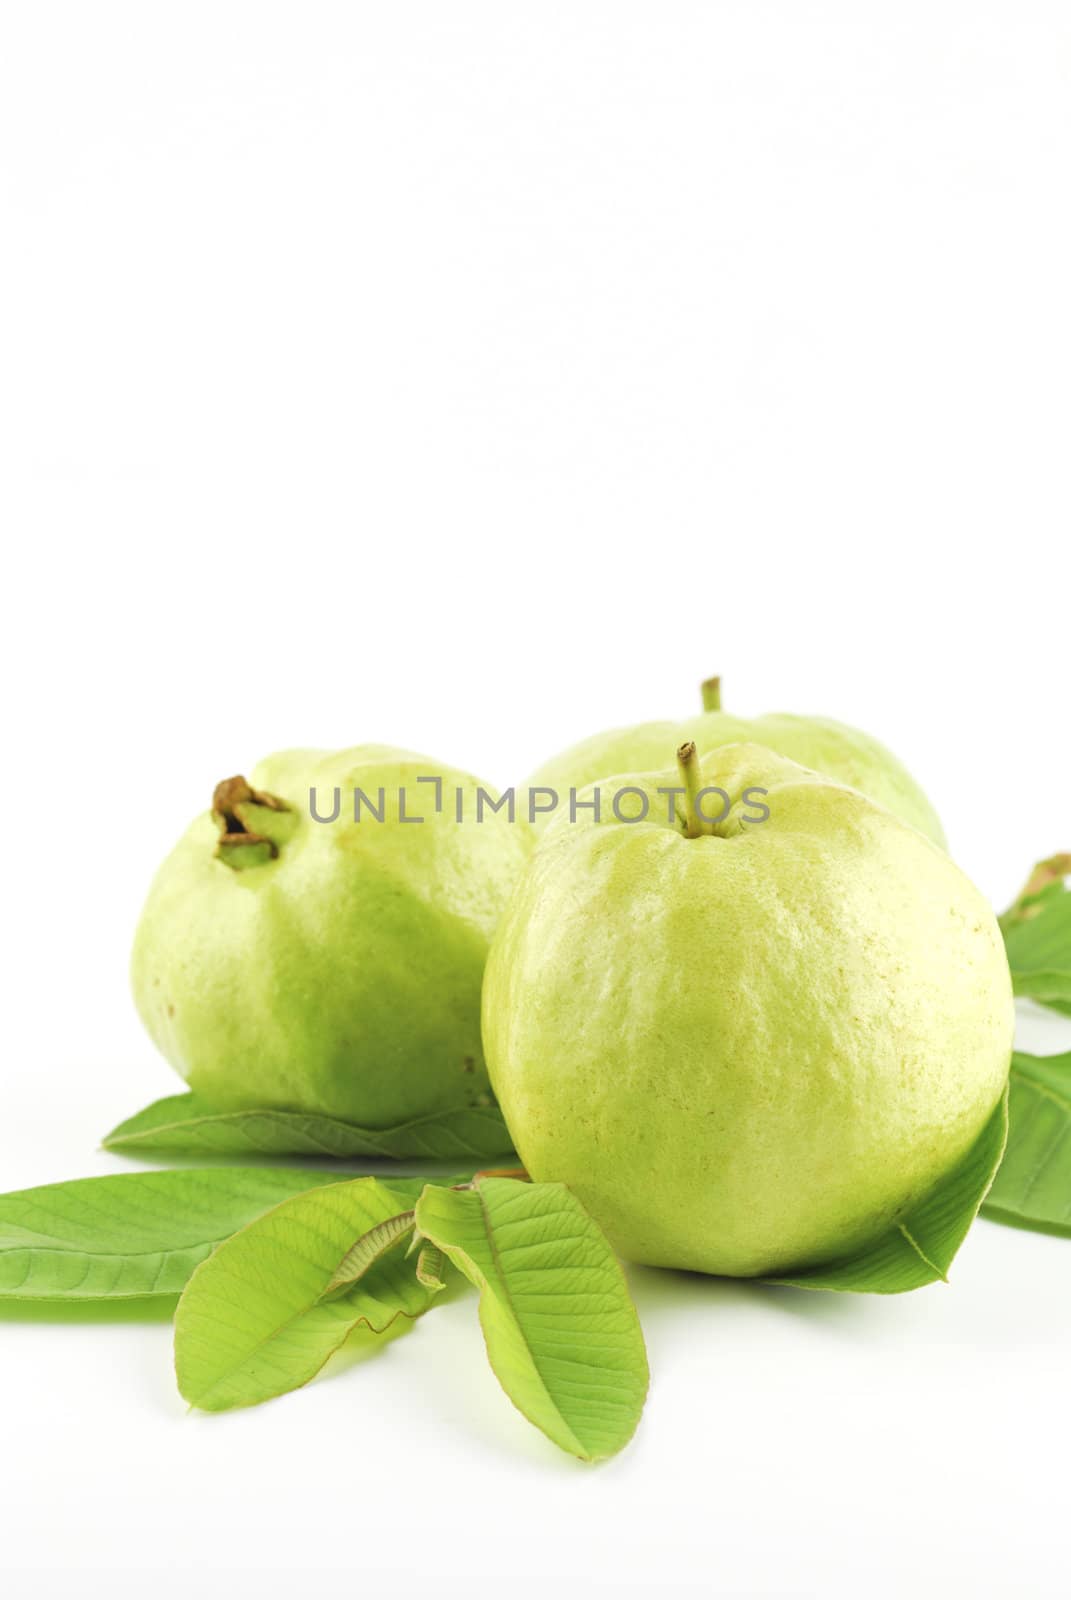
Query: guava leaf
(1032, 1189)
(920, 1248)
(184, 1124)
(369, 1249)
(1048, 988)
(1037, 936)
(132, 1234)
(430, 1268)
(561, 1331)
(252, 1322)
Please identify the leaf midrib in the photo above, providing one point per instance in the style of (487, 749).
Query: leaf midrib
(254, 1350)
(920, 1252)
(276, 1114)
(111, 1255)
(1041, 1088)
(282, 1327)
(500, 1268)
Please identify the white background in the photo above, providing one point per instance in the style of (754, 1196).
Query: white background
(472, 377)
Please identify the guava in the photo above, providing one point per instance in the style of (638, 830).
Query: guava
(841, 752)
(749, 1043)
(330, 966)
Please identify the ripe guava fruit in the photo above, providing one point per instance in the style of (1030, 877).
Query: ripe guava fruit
(330, 966)
(843, 753)
(747, 1045)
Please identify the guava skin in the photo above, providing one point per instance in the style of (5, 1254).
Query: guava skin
(842, 753)
(752, 1051)
(343, 976)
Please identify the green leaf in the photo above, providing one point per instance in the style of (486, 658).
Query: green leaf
(1047, 988)
(1033, 1186)
(1037, 936)
(561, 1331)
(370, 1247)
(920, 1248)
(184, 1124)
(133, 1234)
(430, 1267)
(252, 1322)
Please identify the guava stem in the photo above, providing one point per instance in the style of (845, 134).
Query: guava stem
(234, 792)
(688, 765)
(241, 845)
(494, 1172)
(710, 689)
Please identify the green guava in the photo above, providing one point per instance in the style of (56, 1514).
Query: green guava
(748, 1044)
(330, 966)
(843, 753)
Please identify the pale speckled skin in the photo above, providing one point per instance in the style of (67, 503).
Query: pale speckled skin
(344, 976)
(748, 1052)
(845, 754)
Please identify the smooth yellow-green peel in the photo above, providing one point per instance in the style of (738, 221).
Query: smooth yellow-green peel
(751, 1050)
(846, 754)
(330, 967)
